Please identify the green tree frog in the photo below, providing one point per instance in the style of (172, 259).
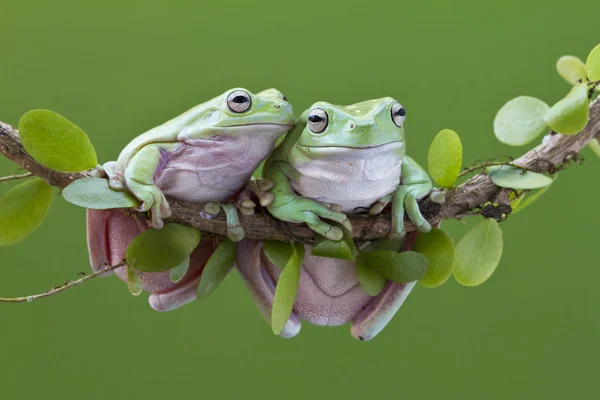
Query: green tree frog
(337, 160)
(207, 154)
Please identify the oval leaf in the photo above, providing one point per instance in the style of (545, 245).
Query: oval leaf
(55, 142)
(594, 144)
(478, 253)
(157, 250)
(217, 267)
(529, 198)
(134, 282)
(570, 115)
(520, 121)
(371, 281)
(95, 194)
(277, 252)
(23, 209)
(593, 63)
(286, 290)
(507, 176)
(444, 159)
(407, 266)
(572, 69)
(344, 249)
(438, 247)
(178, 272)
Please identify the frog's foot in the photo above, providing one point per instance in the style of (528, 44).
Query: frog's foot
(235, 231)
(153, 200)
(258, 189)
(312, 212)
(115, 179)
(380, 204)
(407, 201)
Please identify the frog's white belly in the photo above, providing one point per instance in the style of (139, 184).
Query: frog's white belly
(211, 170)
(349, 182)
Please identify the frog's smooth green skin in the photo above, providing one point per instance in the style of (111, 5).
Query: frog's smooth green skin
(206, 154)
(352, 157)
(329, 293)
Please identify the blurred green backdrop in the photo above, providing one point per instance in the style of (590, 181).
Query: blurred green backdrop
(117, 68)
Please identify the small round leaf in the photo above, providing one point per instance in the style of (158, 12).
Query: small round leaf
(507, 176)
(344, 249)
(478, 253)
(23, 209)
(157, 250)
(520, 121)
(570, 115)
(529, 198)
(406, 266)
(217, 267)
(55, 142)
(95, 194)
(277, 252)
(572, 69)
(444, 159)
(593, 63)
(438, 247)
(178, 272)
(134, 282)
(594, 144)
(371, 281)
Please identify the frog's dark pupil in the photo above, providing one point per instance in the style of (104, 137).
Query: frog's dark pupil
(401, 112)
(240, 99)
(314, 118)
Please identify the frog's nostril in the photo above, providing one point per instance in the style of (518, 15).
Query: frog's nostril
(351, 125)
(277, 106)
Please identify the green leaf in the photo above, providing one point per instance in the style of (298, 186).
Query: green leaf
(157, 250)
(438, 247)
(594, 144)
(570, 115)
(134, 282)
(217, 267)
(528, 198)
(406, 266)
(55, 142)
(344, 249)
(520, 121)
(23, 209)
(507, 176)
(593, 64)
(95, 194)
(178, 272)
(287, 290)
(478, 253)
(444, 159)
(277, 252)
(572, 69)
(371, 281)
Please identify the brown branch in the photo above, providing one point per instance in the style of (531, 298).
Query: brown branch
(59, 289)
(552, 155)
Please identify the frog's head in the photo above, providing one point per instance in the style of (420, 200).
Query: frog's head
(332, 131)
(239, 112)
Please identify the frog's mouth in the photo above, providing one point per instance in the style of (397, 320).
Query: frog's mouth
(224, 134)
(364, 151)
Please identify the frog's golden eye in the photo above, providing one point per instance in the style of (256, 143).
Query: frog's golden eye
(239, 101)
(398, 114)
(317, 120)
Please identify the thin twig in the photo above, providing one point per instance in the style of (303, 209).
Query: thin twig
(59, 289)
(11, 177)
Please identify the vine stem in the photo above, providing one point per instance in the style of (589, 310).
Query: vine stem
(60, 289)
(11, 177)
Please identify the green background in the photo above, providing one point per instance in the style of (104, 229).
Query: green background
(117, 68)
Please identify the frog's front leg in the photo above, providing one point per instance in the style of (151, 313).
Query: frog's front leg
(139, 179)
(415, 184)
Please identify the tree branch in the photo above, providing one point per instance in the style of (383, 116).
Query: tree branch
(553, 154)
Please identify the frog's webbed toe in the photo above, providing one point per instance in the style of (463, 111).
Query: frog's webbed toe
(256, 190)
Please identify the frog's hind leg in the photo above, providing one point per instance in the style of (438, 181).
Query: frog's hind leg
(260, 284)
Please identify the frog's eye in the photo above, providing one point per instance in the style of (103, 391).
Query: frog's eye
(239, 101)
(317, 120)
(398, 114)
